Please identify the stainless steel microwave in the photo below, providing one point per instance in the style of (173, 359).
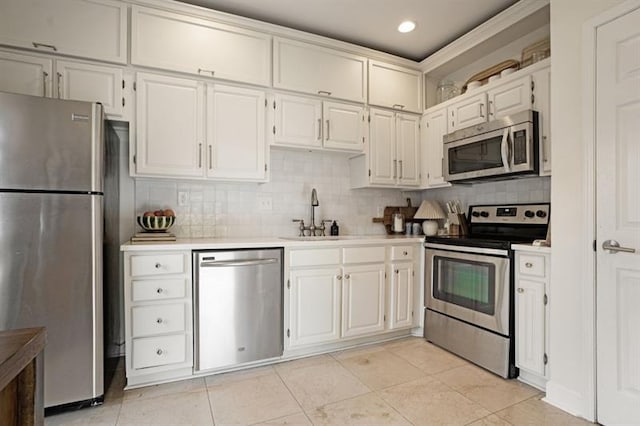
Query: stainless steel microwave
(495, 150)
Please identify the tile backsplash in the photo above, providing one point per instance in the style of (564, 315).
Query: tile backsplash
(234, 209)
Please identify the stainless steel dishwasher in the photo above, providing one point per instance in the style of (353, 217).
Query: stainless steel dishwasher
(238, 300)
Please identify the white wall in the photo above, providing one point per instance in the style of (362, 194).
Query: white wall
(571, 363)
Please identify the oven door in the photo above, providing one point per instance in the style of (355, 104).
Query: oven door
(472, 287)
(505, 151)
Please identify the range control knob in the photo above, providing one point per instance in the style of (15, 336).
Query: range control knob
(541, 213)
(484, 214)
(475, 214)
(529, 213)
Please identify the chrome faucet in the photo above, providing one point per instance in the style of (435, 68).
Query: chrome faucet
(312, 228)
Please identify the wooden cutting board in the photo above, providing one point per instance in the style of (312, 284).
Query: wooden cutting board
(408, 211)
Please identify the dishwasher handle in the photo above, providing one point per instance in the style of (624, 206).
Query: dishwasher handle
(228, 263)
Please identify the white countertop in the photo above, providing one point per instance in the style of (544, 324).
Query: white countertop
(530, 248)
(256, 242)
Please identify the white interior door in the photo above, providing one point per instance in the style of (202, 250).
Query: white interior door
(618, 219)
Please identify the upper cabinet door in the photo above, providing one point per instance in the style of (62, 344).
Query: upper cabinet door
(235, 133)
(25, 74)
(343, 126)
(468, 112)
(408, 147)
(94, 29)
(382, 147)
(198, 46)
(92, 83)
(394, 87)
(297, 121)
(510, 98)
(541, 103)
(434, 127)
(169, 126)
(309, 68)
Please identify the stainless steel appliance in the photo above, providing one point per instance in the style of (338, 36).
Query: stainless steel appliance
(238, 299)
(469, 295)
(504, 147)
(51, 183)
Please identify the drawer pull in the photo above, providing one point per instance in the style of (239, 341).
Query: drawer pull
(520, 290)
(158, 265)
(528, 265)
(339, 277)
(404, 253)
(159, 321)
(159, 352)
(159, 290)
(347, 276)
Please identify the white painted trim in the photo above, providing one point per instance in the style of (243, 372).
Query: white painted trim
(564, 398)
(589, 81)
(481, 33)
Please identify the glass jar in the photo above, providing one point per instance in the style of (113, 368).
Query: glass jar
(446, 90)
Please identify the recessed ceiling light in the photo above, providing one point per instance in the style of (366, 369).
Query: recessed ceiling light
(406, 26)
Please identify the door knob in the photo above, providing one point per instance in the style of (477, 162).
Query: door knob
(613, 246)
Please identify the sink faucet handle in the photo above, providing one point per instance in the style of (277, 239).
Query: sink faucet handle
(323, 227)
(301, 227)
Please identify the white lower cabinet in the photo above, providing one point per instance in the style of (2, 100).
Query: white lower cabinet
(158, 316)
(314, 300)
(363, 291)
(532, 316)
(400, 298)
(192, 129)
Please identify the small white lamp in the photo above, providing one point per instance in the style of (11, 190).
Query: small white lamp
(431, 211)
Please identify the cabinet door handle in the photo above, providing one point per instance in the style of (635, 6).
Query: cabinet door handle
(395, 168)
(491, 110)
(328, 137)
(400, 167)
(324, 92)
(159, 321)
(319, 128)
(404, 253)
(339, 277)
(59, 81)
(347, 276)
(210, 157)
(545, 158)
(201, 70)
(44, 83)
(158, 265)
(398, 106)
(529, 265)
(481, 111)
(520, 290)
(48, 46)
(199, 155)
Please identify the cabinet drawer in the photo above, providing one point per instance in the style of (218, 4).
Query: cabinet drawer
(159, 319)
(363, 254)
(157, 289)
(157, 264)
(401, 253)
(531, 264)
(314, 257)
(155, 351)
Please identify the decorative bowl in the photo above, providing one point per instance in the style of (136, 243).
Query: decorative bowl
(156, 223)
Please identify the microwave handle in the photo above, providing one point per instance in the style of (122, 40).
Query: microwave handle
(505, 151)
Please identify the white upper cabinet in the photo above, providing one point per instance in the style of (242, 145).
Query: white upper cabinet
(297, 121)
(383, 167)
(408, 149)
(169, 126)
(468, 112)
(198, 46)
(92, 83)
(541, 102)
(235, 133)
(94, 29)
(510, 98)
(25, 74)
(394, 87)
(343, 126)
(434, 127)
(309, 68)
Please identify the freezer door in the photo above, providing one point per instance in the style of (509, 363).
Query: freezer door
(51, 275)
(50, 144)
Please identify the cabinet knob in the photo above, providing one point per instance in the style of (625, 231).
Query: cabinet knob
(347, 276)
(404, 253)
(397, 271)
(528, 265)
(158, 265)
(520, 290)
(159, 290)
(159, 320)
(159, 352)
(339, 277)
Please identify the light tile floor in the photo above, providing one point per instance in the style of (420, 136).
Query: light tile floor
(403, 382)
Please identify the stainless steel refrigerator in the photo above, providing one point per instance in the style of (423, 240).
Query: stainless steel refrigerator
(51, 227)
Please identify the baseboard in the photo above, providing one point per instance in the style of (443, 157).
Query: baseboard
(564, 398)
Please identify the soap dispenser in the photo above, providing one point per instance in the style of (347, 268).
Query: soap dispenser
(334, 228)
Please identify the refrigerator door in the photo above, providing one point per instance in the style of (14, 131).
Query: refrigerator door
(50, 144)
(51, 275)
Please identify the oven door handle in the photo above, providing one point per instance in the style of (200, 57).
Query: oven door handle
(505, 150)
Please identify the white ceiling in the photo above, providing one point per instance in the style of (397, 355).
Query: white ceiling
(372, 23)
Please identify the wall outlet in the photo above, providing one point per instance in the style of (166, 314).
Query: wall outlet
(265, 203)
(183, 198)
